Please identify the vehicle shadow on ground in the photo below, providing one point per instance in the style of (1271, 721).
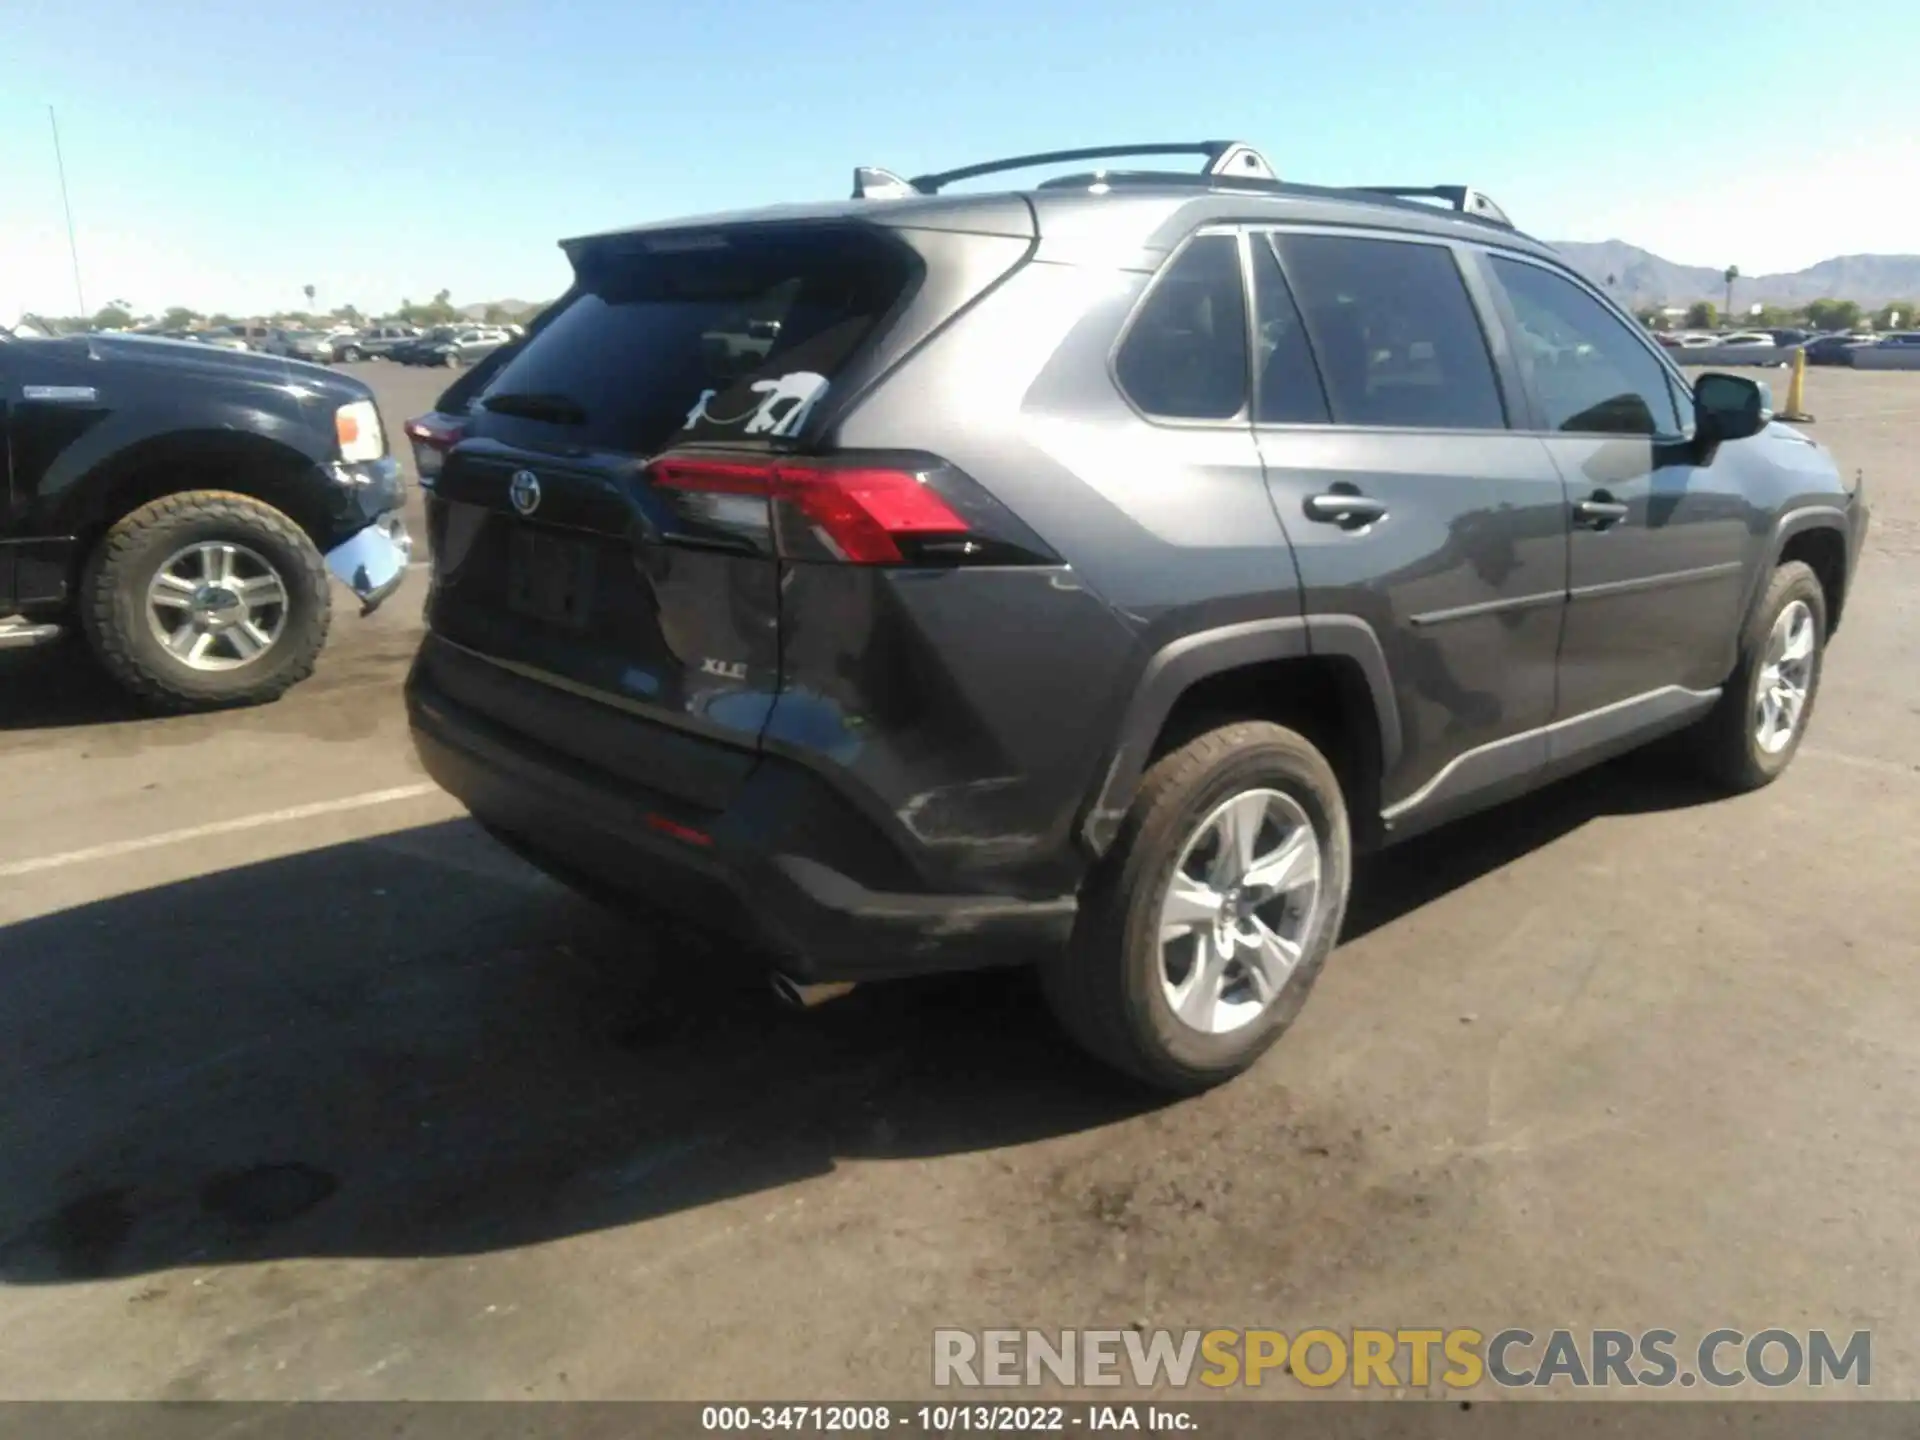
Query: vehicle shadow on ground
(1394, 882)
(59, 687)
(411, 1046)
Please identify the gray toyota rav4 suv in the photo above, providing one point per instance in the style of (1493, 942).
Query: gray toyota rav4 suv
(1081, 575)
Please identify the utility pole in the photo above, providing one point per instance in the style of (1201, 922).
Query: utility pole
(73, 247)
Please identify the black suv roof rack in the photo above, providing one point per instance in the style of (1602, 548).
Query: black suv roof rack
(1227, 161)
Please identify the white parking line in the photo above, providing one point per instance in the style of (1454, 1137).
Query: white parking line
(13, 868)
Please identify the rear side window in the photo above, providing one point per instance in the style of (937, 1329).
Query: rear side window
(1590, 374)
(726, 337)
(1185, 354)
(1394, 331)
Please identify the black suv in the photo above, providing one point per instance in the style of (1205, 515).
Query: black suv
(1083, 574)
(184, 505)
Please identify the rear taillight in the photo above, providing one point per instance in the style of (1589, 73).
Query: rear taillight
(432, 436)
(863, 514)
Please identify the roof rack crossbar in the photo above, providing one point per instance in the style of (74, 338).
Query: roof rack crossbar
(1463, 198)
(1224, 159)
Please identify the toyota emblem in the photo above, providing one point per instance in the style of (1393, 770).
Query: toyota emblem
(524, 491)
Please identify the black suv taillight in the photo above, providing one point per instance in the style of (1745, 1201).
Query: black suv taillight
(864, 509)
(432, 437)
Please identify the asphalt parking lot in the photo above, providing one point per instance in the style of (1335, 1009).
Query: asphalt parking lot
(306, 1090)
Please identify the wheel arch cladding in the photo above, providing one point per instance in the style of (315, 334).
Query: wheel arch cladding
(1337, 694)
(1822, 547)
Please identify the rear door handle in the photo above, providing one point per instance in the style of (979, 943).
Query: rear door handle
(1599, 512)
(1346, 510)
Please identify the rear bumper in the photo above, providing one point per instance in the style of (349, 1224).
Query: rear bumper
(783, 867)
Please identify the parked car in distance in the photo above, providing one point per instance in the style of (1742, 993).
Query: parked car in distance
(183, 507)
(1738, 347)
(1791, 336)
(1288, 536)
(414, 351)
(374, 342)
(224, 338)
(308, 345)
(463, 347)
(1834, 349)
(471, 346)
(1901, 339)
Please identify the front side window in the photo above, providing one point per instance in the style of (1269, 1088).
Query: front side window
(1185, 354)
(1589, 373)
(1394, 332)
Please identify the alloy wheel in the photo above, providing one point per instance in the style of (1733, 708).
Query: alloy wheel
(1238, 910)
(1785, 678)
(215, 605)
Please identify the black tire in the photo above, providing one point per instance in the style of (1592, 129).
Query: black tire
(1726, 739)
(452, 361)
(352, 356)
(114, 606)
(1106, 987)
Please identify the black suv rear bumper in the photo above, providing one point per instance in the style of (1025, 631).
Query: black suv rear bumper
(757, 871)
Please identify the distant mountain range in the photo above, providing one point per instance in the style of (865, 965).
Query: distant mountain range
(1642, 278)
(518, 309)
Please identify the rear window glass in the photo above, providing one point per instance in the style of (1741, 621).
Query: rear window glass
(736, 336)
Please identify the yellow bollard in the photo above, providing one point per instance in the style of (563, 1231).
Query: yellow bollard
(1797, 391)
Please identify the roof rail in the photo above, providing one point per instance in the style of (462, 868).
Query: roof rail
(870, 182)
(1463, 198)
(1225, 159)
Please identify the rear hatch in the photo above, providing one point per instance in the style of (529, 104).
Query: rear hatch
(574, 578)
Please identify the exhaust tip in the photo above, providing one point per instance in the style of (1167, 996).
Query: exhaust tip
(799, 995)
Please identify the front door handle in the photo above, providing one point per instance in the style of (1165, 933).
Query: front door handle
(1343, 508)
(1599, 512)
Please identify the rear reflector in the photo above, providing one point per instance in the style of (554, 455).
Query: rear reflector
(861, 510)
(678, 831)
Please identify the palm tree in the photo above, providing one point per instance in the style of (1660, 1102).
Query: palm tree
(1733, 274)
(309, 294)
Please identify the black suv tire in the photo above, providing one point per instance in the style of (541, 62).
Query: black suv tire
(1107, 988)
(1726, 740)
(123, 567)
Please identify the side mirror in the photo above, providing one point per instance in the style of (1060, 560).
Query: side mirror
(1729, 407)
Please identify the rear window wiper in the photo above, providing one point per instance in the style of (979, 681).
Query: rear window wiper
(555, 408)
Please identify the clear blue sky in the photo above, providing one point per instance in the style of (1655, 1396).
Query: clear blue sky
(222, 153)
